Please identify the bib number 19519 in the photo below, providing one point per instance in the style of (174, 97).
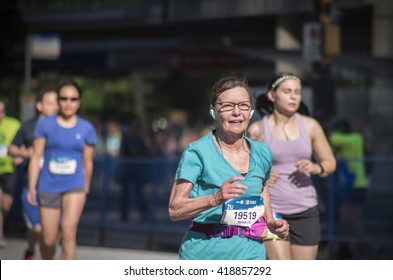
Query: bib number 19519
(243, 211)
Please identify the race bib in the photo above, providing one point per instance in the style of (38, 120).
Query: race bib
(243, 211)
(62, 165)
(3, 151)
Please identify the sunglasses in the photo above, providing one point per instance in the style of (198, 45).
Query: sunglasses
(61, 98)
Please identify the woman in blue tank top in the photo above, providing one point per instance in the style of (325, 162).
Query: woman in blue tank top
(66, 142)
(220, 184)
(294, 139)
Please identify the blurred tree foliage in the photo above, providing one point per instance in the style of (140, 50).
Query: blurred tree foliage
(116, 98)
(111, 98)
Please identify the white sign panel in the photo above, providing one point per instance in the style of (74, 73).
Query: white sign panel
(45, 46)
(312, 41)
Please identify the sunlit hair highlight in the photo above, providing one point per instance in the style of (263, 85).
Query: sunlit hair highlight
(228, 83)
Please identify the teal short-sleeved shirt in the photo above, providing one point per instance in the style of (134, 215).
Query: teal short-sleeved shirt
(203, 165)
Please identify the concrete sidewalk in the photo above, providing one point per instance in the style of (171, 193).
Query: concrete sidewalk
(16, 247)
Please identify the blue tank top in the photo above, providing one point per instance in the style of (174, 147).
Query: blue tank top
(294, 191)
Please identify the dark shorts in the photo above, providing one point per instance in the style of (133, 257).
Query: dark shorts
(53, 200)
(305, 228)
(7, 182)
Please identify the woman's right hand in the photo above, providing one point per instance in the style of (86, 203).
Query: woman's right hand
(273, 179)
(230, 189)
(32, 197)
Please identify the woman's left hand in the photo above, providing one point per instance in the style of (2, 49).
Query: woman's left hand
(279, 227)
(306, 166)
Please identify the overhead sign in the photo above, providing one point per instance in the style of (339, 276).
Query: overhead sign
(200, 59)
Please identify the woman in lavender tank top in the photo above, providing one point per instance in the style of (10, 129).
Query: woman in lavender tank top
(295, 139)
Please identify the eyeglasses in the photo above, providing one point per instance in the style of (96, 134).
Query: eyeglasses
(229, 106)
(73, 99)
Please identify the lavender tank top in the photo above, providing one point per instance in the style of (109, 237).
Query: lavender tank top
(294, 191)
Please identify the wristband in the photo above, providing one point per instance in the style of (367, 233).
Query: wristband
(322, 169)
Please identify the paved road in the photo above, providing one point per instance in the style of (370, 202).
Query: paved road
(15, 250)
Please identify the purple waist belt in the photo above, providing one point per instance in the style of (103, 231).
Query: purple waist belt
(257, 231)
